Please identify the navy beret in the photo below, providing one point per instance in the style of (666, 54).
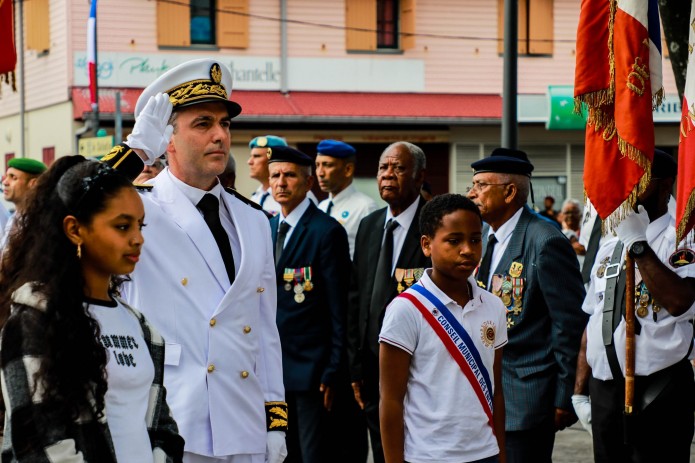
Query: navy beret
(663, 165)
(504, 161)
(267, 141)
(289, 154)
(335, 149)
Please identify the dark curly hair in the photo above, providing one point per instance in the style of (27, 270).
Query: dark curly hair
(38, 251)
(434, 211)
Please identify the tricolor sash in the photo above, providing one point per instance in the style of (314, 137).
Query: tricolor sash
(457, 342)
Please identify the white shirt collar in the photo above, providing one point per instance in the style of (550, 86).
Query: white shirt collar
(293, 218)
(405, 218)
(505, 231)
(343, 195)
(194, 194)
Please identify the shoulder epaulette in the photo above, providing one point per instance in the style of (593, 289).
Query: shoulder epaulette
(247, 201)
(142, 187)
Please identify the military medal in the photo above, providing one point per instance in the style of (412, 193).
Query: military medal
(299, 298)
(515, 269)
(602, 268)
(510, 322)
(288, 276)
(517, 290)
(409, 277)
(496, 285)
(642, 311)
(506, 292)
(644, 298)
(418, 273)
(399, 274)
(308, 285)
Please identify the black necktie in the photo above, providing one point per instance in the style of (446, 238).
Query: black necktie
(210, 207)
(382, 285)
(280, 241)
(484, 270)
(264, 197)
(329, 208)
(591, 250)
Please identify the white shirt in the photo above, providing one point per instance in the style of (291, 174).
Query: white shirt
(293, 218)
(130, 374)
(444, 420)
(503, 235)
(404, 220)
(660, 344)
(349, 208)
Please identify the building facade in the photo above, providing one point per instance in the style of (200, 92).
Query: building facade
(368, 72)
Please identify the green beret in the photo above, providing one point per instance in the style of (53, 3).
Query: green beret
(28, 165)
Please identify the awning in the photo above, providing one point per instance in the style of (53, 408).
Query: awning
(341, 107)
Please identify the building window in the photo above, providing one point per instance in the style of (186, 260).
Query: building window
(535, 27)
(202, 21)
(373, 25)
(224, 23)
(49, 155)
(8, 157)
(37, 25)
(387, 23)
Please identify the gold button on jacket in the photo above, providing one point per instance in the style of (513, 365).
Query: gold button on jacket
(211, 368)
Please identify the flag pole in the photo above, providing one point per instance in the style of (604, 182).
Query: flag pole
(629, 333)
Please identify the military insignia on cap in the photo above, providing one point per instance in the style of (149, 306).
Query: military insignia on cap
(269, 154)
(216, 73)
(261, 142)
(487, 333)
(681, 258)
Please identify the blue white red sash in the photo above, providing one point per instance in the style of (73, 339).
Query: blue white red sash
(457, 342)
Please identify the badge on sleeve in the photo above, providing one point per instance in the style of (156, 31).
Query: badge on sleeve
(681, 258)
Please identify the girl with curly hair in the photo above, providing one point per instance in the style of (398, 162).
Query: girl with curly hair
(82, 372)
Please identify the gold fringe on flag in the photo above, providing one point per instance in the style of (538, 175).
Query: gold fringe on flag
(9, 78)
(688, 213)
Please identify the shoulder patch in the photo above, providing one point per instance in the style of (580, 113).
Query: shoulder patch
(682, 257)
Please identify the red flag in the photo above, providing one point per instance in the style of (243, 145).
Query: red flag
(615, 79)
(8, 53)
(685, 195)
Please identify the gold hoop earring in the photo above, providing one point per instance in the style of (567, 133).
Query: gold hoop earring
(79, 250)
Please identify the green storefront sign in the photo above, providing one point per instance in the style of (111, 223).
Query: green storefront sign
(561, 105)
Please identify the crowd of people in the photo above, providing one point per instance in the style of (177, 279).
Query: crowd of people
(151, 313)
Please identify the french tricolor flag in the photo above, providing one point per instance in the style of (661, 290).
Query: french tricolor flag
(92, 53)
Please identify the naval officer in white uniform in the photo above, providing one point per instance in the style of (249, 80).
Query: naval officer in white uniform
(206, 278)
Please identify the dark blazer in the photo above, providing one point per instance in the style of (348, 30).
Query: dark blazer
(367, 246)
(312, 333)
(540, 359)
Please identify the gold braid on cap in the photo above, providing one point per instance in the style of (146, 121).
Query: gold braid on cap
(199, 89)
(276, 416)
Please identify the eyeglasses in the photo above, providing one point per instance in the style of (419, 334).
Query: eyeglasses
(479, 186)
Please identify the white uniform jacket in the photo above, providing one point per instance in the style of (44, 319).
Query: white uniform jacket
(223, 358)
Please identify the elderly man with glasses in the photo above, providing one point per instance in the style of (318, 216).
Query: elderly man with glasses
(530, 265)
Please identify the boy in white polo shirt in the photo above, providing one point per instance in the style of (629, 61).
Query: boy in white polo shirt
(441, 350)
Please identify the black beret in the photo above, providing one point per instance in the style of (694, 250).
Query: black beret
(288, 154)
(663, 165)
(504, 161)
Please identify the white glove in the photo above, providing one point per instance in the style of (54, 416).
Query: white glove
(276, 447)
(152, 132)
(633, 227)
(582, 407)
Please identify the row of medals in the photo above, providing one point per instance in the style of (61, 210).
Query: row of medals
(299, 287)
(642, 296)
(407, 276)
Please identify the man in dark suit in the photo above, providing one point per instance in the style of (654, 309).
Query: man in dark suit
(387, 260)
(531, 266)
(312, 262)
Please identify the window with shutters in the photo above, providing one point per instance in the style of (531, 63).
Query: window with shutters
(48, 154)
(36, 25)
(376, 25)
(535, 27)
(221, 23)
